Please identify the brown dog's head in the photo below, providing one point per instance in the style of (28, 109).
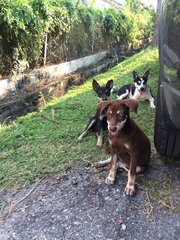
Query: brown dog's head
(117, 113)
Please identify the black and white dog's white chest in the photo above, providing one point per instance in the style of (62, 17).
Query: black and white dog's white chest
(139, 90)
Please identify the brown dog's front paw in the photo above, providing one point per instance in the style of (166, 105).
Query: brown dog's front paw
(109, 180)
(129, 190)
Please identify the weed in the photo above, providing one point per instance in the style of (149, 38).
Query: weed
(159, 194)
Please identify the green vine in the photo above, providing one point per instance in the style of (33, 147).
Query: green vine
(24, 24)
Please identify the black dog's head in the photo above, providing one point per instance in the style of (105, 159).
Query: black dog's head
(103, 92)
(141, 82)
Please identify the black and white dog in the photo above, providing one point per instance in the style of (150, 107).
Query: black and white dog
(139, 90)
(98, 123)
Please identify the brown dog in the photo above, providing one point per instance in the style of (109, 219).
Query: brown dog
(129, 146)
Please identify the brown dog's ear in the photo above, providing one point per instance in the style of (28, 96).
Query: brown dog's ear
(95, 85)
(109, 84)
(103, 106)
(131, 104)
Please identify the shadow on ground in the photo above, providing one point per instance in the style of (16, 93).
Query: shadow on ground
(79, 206)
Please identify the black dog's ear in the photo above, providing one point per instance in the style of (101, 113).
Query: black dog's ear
(95, 85)
(135, 75)
(146, 74)
(102, 107)
(109, 84)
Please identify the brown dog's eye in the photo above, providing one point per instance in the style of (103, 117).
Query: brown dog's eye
(110, 112)
(122, 117)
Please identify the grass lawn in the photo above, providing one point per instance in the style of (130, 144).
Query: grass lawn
(34, 147)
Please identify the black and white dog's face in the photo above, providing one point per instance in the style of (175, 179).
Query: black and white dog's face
(103, 92)
(141, 82)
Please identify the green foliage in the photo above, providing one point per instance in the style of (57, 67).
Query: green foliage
(117, 25)
(33, 147)
(142, 20)
(134, 5)
(24, 23)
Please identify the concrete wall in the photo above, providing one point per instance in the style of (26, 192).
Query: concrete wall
(54, 71)
(28, 92)
(72, 66)
(102, 4)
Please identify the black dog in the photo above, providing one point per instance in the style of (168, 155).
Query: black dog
(98, 123)
(104, 92)
(139, 90)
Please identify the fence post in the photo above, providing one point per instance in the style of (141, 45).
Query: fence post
(45, 49)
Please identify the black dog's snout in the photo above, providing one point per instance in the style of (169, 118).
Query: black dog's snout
(142, 89)
(104, 98)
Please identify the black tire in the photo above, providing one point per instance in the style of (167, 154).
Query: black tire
(166, 142)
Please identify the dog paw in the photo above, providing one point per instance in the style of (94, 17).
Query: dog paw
(100, 145)
(152, 106)
(129, 190)
(79, 139)
(109, 180)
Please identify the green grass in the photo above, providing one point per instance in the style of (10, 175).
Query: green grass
(34, 147)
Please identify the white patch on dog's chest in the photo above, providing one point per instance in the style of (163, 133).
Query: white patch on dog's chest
(139, 96)
(127, 146)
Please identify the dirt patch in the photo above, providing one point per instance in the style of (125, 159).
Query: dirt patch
(78, 205)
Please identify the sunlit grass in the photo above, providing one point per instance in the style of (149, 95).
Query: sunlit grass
(33, 147)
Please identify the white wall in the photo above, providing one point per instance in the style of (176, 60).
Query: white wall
(53, 71)
(102, 4)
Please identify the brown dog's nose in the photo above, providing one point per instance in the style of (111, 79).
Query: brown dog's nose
(113, 129)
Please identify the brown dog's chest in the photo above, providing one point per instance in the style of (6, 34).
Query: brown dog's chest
(123, 141)
(119, 142)
(128, 145)
(121, 146)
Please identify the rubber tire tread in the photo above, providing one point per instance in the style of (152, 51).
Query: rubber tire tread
(167, 144)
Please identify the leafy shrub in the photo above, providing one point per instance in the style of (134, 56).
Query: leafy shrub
(73, 29)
